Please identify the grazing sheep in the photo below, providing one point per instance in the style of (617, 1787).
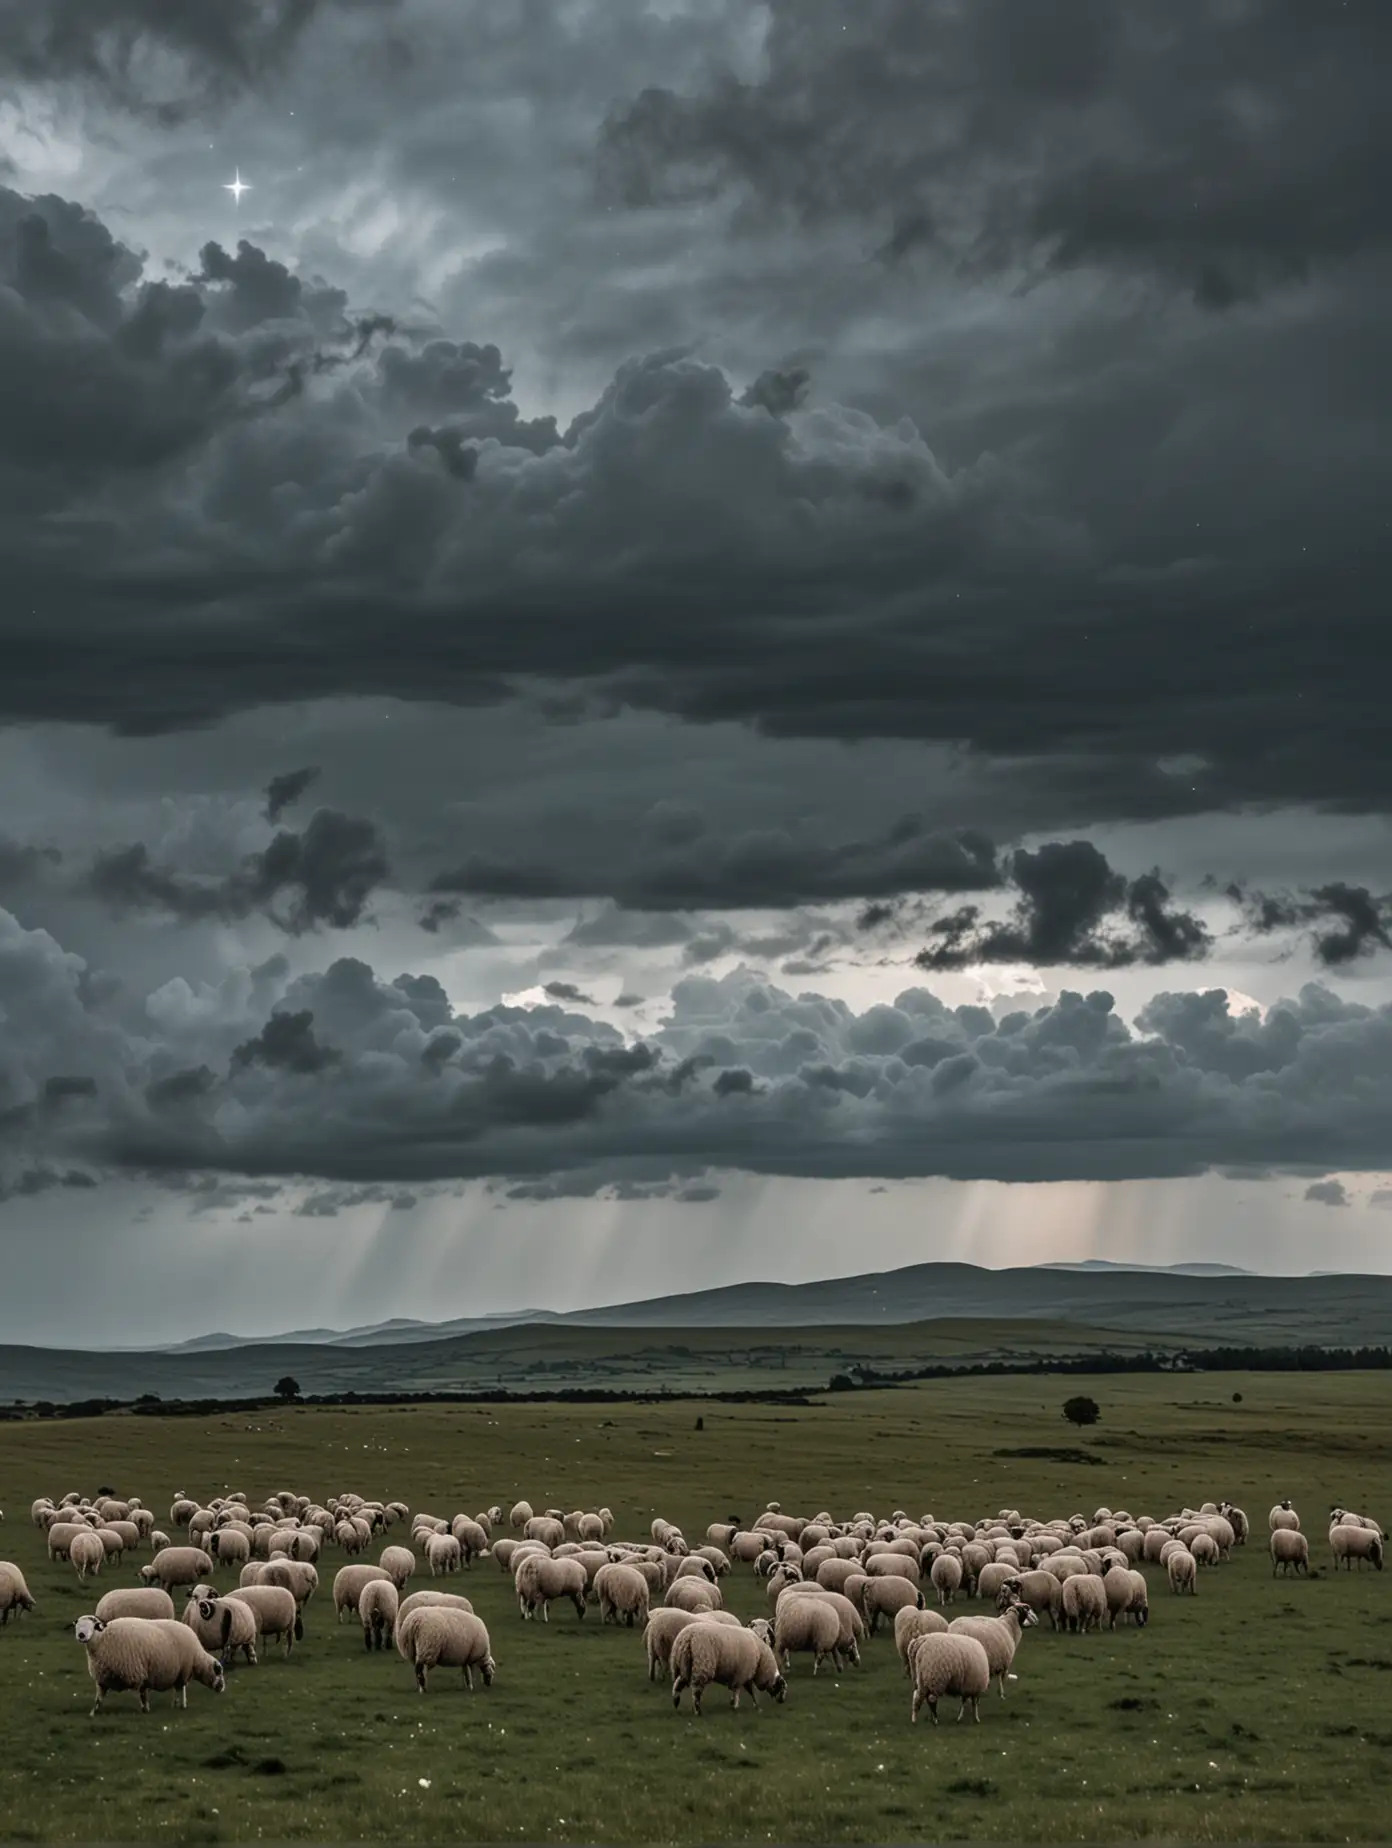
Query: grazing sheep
(14, 1593)
(810, 1625)
(1042, 1591)
(832, 1574)
(276, 1612)
(735, 1658)
(1349, 1543)
(432, 1636)
(1283, 1516)
(399, 1563)
(223, 1626)
(1289, 1548)
(472, 1538)
(946, 1576)
(136, 1601)
(86, 1553)
(348, 1584)
(521, 1514)
(852, 1623)
(883, 1597)
(1126, 1594)
(911, 1623)
(144, 1655)
(623, 1593)
(663, 1627)
(950, 1664)
(1182, 1570)
(990, 1578)
(378, 1609)
(546, 1529)
(443, 1554)
(893, 1565)
(297, 1576)
(540, 1581)
(999, 1636)
(440, 1600)
(177, 1565)
(1205, 1549)
(1084, 1603)
(693, 1594)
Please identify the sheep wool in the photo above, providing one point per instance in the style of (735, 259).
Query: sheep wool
(911, 1623)
(1182, 1570)
(348, 1584)
(177, 1565)
(15, 1596)
(735, 1658)
(807, 1625)
(434, 1637)
(1084, 1602)
(946, 1665)
(541, 1580)
(276, 1612)
(223, 1626)
(136, 1601)
(1347, 1543)
(444, 1600)
(999, 1636)
(378, 1609)
(145, 1655)
(623, 1594)
(1289, 1548)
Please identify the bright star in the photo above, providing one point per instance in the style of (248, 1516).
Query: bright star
(237, 187)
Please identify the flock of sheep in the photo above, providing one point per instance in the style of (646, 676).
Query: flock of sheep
(829, 1583)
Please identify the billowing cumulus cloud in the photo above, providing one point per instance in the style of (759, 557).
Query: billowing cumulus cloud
(350, 1078)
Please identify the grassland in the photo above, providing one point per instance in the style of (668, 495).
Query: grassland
(1257, 1710)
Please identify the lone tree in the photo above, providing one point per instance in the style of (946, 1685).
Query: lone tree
(1080, 1410)
(287, 1388)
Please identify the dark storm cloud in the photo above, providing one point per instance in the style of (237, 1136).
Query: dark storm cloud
(323, 876)
(282, 792)
(801, 567)
(166, 61)
(353, 1080)
(1069, 895)
(678, 862)
(1328, 1193)
(1347, 922)
(1224, 148)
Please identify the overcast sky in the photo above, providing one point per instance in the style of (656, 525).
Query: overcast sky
(697, 641)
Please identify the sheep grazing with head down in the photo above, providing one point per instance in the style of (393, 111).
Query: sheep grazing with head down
(946, 1665)
(276, 1612)
(735, 1658)
(1348, 1543)
(1182, 1570)
(810, 1626)
(946, 1575)
(1084, 1602)
(541, 1580)
(663, 1627)
(348, 1584)
(86, 1553)
(223, 1626)
(1289, 1549)
(432, 1636)
(850, 1619)
(145, 1655)
(622, 1593)
(15, 1597)
(378, 1607)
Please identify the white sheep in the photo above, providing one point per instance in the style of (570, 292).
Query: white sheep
(735, 1658)
(694, 1594)
(145, 1655)
(1283, 1516)
(1084, 1603)
(946, 1576)
(950, 1664)
(540, 1580)
(999, 1636)
(399, 1563)
(521, 1514)
(911, 1623)
(1348, 1543)
(348, 1584)
(1289, 1548)
(177, 1565)
(1126, 1594)
(1182, 1570)
(443, 1553)
(442, 1600)
(276, 1612)
(663, 1627)
(135, 1601)
(622, 1592)
(810, 1625)
(223, 1626)
(432, 1636)
(86, 1553)
(379, 1605)
(852, 1623)
(15, 1597)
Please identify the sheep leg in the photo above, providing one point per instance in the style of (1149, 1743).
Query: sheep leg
(546, 1610)
(421, 1672)
(677, 1685)
(913, 1711)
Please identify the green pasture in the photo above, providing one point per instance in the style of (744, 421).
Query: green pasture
(1256, 1710)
